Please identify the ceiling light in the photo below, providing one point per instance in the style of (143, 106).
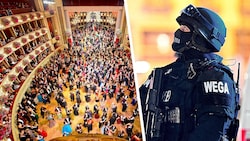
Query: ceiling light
(48, 1)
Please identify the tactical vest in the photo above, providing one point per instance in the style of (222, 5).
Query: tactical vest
(190, 90)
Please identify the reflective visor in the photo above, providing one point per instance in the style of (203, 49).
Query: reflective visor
(210, 31)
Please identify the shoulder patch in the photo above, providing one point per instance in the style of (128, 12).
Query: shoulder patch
(216, 87)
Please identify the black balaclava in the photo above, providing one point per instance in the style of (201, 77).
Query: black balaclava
(181, 40)
(189, 45)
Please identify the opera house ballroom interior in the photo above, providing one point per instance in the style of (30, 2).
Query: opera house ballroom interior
(66, 71)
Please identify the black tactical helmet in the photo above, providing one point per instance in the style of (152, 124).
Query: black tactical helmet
(206, 24)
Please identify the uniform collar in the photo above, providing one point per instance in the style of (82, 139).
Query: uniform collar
(212, 56)
(191, 55)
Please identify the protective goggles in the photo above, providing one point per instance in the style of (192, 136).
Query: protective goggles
(210, 31)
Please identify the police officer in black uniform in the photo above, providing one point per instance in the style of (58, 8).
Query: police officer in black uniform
(197, 93)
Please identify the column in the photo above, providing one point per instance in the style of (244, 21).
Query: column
(118, 25)
(39, 5)
(68, 27)
(118, 19)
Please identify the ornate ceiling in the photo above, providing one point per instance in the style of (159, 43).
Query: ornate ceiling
(93, 2)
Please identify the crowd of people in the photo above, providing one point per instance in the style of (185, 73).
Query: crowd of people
(7, 100)
(87, 87)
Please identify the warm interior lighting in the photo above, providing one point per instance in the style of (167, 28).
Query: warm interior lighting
(48, 1)
(141, 66)
(163, 42)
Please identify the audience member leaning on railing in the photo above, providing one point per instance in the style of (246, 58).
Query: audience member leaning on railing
(14, 7)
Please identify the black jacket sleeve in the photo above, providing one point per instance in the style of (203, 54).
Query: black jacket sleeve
(215, 106)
